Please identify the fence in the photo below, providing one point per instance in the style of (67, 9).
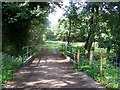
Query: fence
(98, 66)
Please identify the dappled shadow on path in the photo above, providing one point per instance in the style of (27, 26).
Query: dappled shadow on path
(51, 71)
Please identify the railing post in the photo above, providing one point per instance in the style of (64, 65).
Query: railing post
(65, 48)
(76, 59)
(27, 51)
(71, 50)
(31, 50)
(22, 54)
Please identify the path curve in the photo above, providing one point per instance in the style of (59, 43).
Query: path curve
(51, 70)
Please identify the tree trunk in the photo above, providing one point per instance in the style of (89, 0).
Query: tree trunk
(86, 43)
(91, 34)
(69, 31)
(89, 48)
(68, 38)
(89, 41)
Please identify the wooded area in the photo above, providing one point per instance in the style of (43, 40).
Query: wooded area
(27, 23)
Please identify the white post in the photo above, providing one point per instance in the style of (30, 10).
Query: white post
(91, 57)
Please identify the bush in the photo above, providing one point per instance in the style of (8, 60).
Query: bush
(81, 48)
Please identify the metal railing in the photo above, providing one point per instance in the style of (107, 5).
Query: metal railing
(72, 52)
(27, 51)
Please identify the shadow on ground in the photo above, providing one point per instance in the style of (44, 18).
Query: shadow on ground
(51, 70)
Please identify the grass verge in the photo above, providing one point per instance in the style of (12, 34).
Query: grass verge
(9, 66)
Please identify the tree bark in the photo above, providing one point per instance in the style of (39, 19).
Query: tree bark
(91, 34)
(86, 43)
(89, 48)
(69, 33)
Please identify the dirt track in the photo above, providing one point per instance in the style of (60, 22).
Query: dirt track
(51, 70)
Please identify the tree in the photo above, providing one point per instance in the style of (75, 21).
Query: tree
(93, 15)
(113, 22)
(70, 20)
(17, 20)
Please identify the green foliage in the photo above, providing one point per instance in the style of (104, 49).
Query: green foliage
(68, 24)
(9, 65)
(54, 44)
(110, 75)
(95, 22)
(109, 78)
(50, 35)
(23, 23)
(113, 20)
(81, 48)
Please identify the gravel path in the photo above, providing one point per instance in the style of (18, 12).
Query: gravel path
(51, 70)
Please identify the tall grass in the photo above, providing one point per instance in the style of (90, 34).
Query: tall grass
(54, 44)
(110, 74)
(9, 65)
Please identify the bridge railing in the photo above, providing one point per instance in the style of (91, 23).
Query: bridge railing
(27, 51)
(73, 52)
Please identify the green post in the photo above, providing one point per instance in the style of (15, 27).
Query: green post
(70, 50)
(62, 47)
(76, 66)
(32, 50)
(27, 52)
(22, 54)
(65, 48)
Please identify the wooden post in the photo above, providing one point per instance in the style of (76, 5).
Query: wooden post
(101, 63)
(74, 59)
(78, 56)
(91, 57)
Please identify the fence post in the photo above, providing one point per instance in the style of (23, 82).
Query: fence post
(27, 51)
(78, 56)
(71, 50)
(91, 57)
(62, 48)
(101, 63)
(65, 48)
(75, 59)
(30, 50)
